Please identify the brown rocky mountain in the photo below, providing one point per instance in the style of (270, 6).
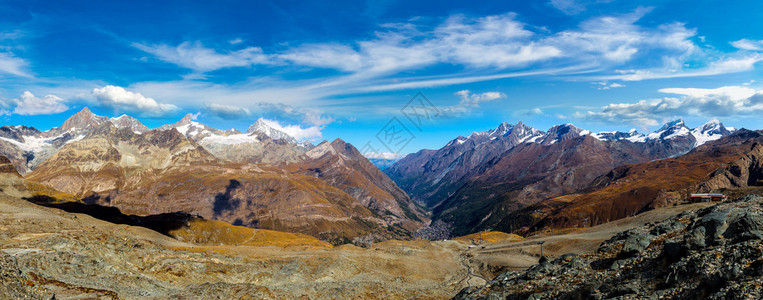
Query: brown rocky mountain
(125, 121)
(162, 171)
(477, 182)
(729, 163)
(344, 167)
(429, 176)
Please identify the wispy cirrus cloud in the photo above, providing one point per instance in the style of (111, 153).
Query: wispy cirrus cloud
(10, 64)
(496, 41)
(194, 56)
(612, 48)
(746, 44)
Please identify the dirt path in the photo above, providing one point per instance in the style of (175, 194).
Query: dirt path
(249, 239)
(470, 274)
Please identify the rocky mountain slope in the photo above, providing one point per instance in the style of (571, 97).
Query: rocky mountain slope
(245, 179)
(731, 162)
(477, 181)
(48, 253)
(711, 254)
(342, 166)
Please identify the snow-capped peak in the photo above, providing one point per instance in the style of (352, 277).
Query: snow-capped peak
(81, 120)
(671, 130)
(632, 136)
(710, 131)
(562, 132)
(125, 121)
(261, 126)
(502, 130)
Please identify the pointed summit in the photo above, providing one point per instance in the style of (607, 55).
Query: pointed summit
(82, 120)
(678, 123)
(187, 119)
(672, 129)
(562, 132)
(710, 131)
(125, 121)
(261, 126)
(503, 129)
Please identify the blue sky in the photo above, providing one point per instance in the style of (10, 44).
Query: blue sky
(346, 68)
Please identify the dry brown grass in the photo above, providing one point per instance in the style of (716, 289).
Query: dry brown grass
(490, 237)
(211, 232)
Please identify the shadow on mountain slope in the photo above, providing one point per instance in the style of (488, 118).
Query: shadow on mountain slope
(162, 223)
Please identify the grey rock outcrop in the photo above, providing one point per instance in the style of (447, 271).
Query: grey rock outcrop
(711, 254)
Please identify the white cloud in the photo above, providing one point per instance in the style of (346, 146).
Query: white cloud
(227, 111)
(746, 44)
(470, 101)
(478, 48)
(469, 98)
(603, 85)
(13, 65)
(496, 41)
(312, 133)
(196, 57)
(493, 41)
(719, 102)
(119, 99)
(29, 105)
(617, 39)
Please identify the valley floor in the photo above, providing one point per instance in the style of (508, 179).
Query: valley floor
(46, 251)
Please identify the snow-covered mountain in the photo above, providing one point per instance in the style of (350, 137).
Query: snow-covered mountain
(125, 121)
(262, 127)
(476, 151)
(27, 147)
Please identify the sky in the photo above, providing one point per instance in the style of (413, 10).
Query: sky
(386, 76)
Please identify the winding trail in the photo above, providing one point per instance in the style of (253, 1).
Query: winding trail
(249, 239)
(469, 272)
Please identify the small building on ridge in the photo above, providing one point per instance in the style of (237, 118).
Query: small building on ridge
(707, 197)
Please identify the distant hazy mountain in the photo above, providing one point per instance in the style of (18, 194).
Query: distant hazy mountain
(383, 160)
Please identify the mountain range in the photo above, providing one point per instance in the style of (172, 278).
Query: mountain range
(513, 178)
(262, 178)
(476, 182)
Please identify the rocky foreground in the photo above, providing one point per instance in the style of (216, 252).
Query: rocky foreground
(48, 253)
(714, 253)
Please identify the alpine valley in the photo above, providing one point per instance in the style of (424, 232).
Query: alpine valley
(214, 213)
